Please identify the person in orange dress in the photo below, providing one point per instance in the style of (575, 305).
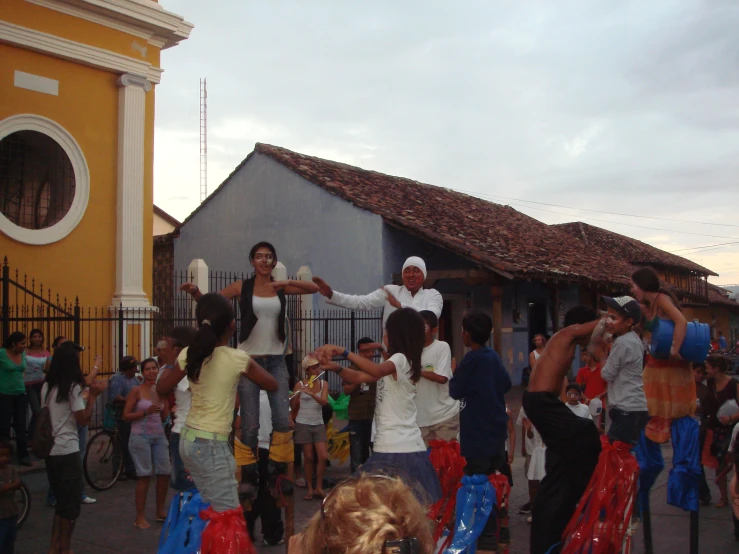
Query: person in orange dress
(668, 384)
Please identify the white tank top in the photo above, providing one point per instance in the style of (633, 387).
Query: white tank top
(264, 340)
(536, 355)
(311, 412)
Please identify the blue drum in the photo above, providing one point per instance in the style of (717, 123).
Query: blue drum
(695, 347)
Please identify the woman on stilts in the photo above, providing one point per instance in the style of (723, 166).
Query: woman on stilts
(264, 336)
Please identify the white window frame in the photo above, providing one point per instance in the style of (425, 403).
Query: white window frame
(32, 122)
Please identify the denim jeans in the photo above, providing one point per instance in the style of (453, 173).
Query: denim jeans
(13, 410)
(8, 530)
(180, 479)
(278, 401)
(150, 454)
(360, 433)
(213, 469)
(627, 426)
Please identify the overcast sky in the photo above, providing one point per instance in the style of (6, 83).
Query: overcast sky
(628, 107)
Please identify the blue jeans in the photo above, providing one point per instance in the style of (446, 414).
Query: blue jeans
(8, 529)
(150, 454)
(213, 469)
(278, 401)
(360, 432)
(179, 479)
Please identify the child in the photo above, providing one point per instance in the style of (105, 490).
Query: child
(573, 402)
(367, 515)
(480, 383)
(309, 399)
(592, 384)
(8, 508)
(623, 371)
(398, 446)
(438, 413)
(527, 448)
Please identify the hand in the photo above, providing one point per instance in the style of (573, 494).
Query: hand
(189, 288)
(328, 351)
(725, 420)
(85, 395)
(325, 289)
(526, 423)
(97, 387)
(98, 361)
(510, 458)
(675, 354)
(153, 409)
(279, 285)
(173, 409)
(394, 302)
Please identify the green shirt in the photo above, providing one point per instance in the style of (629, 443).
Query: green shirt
(11, 375)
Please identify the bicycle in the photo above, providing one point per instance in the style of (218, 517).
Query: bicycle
(22, 499)
(104, 456)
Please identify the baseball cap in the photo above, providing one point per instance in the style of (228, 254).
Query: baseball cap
(625, 305)
(128, 362)
(309, 361)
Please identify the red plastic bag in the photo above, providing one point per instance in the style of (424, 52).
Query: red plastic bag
(449, 465)
(225, 533)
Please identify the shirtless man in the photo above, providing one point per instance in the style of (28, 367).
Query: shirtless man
(573, 443)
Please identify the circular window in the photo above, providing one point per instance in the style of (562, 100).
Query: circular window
(44, 181)
(36, 180)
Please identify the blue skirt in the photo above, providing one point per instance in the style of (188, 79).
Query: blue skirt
(414, 468)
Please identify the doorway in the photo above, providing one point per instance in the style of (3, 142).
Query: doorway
(537, 321)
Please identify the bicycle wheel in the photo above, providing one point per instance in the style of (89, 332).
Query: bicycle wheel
(22, 498)
(103, 461)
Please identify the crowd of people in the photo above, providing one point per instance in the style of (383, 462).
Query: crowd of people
(407, 395)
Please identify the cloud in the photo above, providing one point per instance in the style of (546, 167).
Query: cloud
(627, 107)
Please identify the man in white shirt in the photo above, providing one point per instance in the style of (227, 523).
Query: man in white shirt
(437, 412)
(390, 297)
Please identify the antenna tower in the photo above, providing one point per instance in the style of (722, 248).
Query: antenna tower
(203, 141)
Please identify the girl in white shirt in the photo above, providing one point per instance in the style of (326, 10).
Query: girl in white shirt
(398, 446)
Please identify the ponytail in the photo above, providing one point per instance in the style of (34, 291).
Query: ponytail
(214, 315)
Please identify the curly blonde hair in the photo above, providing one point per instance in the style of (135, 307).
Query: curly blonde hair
(360, 514)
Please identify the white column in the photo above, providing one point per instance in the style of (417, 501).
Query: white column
(198, 274)
(279, 272)
(129, 290)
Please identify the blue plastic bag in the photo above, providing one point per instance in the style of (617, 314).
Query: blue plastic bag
(183, 527)
(475, 502)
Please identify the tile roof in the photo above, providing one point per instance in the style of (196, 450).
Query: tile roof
(626, 248)
(497, 237)
(720, 296)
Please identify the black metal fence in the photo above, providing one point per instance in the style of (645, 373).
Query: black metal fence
(113, 332)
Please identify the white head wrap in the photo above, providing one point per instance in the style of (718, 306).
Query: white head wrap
(415, 261)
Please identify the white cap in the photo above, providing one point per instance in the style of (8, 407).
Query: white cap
(415, 261)
(596, 407)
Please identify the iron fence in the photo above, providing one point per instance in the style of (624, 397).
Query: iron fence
(113, 331)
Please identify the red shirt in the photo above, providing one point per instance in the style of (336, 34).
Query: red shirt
(594, 383)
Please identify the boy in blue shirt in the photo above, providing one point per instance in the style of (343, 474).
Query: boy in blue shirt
(480, 384)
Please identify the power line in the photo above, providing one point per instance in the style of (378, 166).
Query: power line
(707, 247)
(599, 211)
(614, 222)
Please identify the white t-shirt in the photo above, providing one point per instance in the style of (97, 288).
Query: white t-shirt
(63, 421)
(183, 400)
(529, 442)
(433, 402)
(395, 412)
(265, 420)
(580, 410)
(264, 339)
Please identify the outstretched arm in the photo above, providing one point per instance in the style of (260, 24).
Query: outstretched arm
(295, 287)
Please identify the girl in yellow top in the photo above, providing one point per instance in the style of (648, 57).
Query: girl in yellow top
(213, 370)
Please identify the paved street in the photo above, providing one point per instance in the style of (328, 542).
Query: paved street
(107, 527)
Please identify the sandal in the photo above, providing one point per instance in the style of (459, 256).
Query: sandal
(161, 519)
(721, 504)
(144, 525)
(308, 496)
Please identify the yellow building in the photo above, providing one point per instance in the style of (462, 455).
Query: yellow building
(77, 84)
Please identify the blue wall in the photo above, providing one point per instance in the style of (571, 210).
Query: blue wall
(307, 225)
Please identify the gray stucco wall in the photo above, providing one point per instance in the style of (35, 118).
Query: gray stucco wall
(307, 225)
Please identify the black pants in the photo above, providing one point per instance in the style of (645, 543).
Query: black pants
(34, 401)
(13, 410)
(360, 433)
(488, 540)
(265, 507)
